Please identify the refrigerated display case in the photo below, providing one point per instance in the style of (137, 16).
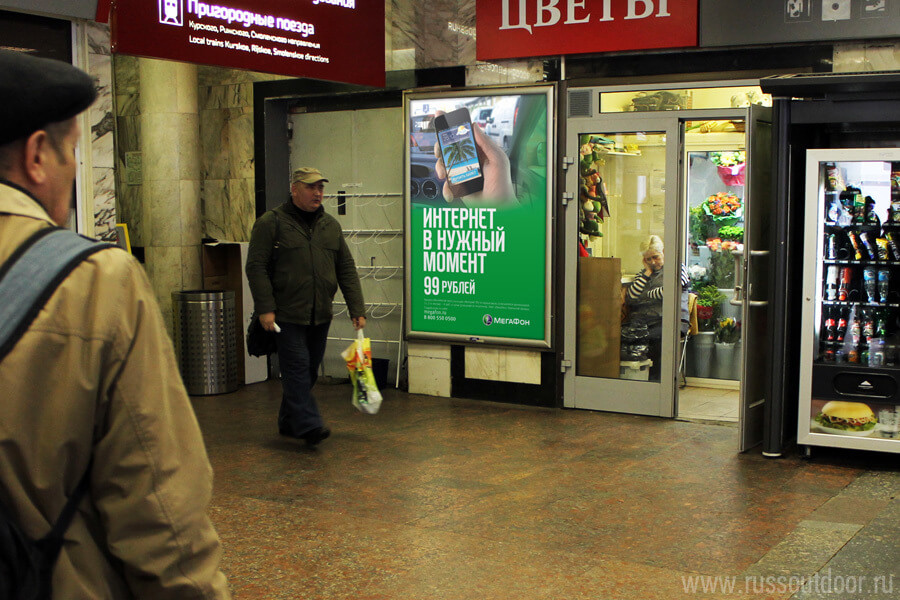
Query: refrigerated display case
(850, 347)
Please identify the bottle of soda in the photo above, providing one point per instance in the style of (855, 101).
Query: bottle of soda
(844, 287)
(842, 325)
(831, 283)
(884, 285)
(830, 326)
(869, 328)
(881, 326)
(870, 285)
(855, 331)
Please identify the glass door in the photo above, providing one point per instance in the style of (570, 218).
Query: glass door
(715, 200)
(625, 302)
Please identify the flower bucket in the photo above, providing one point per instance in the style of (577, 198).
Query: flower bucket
(702, 346)
(727, 362)
(705, 312)
(733, 175)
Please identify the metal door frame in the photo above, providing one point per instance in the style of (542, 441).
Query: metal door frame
(750, 413)
(621, 395)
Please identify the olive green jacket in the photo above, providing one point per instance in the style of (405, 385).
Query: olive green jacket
(95, 376)
(297, 274)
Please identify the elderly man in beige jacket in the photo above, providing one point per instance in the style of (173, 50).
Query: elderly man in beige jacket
(93, 381)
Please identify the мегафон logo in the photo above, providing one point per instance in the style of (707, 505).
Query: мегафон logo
(487, 319)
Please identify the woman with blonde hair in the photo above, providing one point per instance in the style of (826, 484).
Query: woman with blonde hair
(644, 297)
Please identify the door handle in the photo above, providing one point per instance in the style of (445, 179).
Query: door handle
(755, 303)
(738, 297)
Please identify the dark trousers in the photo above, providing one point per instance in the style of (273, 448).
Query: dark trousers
(300, 352)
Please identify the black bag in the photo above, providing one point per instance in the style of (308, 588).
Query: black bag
(26, 565)
(259, 341)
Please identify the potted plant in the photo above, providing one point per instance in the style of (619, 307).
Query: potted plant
(700, 225)
(732, 233)
(727, 363)
(727, 331)
(708, 300)
(721, 268)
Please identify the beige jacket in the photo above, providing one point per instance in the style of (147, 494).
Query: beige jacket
(96, 374)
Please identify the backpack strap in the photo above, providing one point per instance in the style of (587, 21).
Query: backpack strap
(31, 275)
(27, 280)
(52, 543)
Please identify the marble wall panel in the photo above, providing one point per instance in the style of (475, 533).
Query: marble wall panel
(97, 37)
(227, 143)
(212, 76)
(127, 74)
(129, 211)
(191, 267)
(102, 206)
(101, 112)
(429, 376)
(165, 272)
(866, 57)
(229, 209)
(104, 203)
(441, 32)
(162, 212)
(403, 25)
(159, 131)
(213, 194)
(500, 364)
(188, 146)
(191, 214)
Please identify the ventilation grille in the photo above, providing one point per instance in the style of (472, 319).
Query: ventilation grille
(580, 103)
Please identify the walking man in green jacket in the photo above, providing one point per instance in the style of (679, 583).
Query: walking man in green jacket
(296, 261)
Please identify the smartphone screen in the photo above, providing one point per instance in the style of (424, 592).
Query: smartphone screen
(459, 152)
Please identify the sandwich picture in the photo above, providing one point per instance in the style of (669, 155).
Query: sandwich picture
(846, 416)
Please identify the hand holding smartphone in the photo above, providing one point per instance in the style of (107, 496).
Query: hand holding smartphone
(459, 152)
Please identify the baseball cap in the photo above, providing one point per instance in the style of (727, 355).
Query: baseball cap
(307, 175)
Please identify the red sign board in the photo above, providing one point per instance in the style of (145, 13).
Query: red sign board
(336, 40)
(522, 28)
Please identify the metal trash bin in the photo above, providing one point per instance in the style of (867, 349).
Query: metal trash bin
(206, 340)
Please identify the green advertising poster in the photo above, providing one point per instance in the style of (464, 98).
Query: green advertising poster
(478, 217)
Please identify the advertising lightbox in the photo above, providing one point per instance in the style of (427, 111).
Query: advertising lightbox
(335, 40)
(478, 214)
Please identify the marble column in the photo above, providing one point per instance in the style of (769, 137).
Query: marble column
(170, 149)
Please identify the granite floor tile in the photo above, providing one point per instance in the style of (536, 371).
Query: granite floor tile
(437, 498)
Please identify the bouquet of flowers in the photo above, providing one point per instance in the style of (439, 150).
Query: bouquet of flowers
(724, 208)
(727, 159)
(727, 331)
(730, 166)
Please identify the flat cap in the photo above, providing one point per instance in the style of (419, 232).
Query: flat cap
(37, 91)
(308, 175)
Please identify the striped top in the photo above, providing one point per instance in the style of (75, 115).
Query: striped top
(640, 283)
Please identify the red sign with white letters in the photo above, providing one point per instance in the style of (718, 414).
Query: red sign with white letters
(336, 40)
(522, 28)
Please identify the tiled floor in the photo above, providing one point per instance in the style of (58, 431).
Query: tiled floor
(710, 404)
(448, 499)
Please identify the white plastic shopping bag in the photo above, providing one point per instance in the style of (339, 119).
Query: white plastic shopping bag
(366, 397)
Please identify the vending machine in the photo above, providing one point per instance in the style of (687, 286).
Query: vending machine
(849, 387)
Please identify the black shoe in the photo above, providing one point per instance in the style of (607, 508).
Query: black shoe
(286, 433)
(314, 436)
